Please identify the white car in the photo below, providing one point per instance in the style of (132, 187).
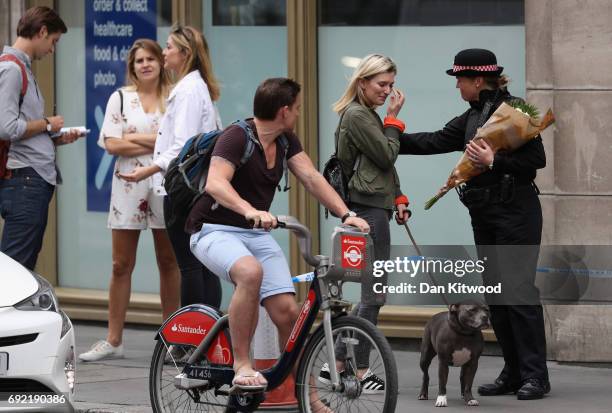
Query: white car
(36, 342)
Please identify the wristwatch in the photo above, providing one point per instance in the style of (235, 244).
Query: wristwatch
(347, 215)
(491, 164)
(48, 125)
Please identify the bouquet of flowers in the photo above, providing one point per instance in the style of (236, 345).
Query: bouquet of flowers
(511, 126)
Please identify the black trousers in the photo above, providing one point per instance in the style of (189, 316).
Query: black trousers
(198, 284)
(508, 235)
(370, 304)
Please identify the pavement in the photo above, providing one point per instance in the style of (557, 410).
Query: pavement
(122, 385)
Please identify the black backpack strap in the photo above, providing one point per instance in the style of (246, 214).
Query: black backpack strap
(337, 138)
(250, 147)
(250, 143)
(285, 145)
(121, 100)
(337, 134)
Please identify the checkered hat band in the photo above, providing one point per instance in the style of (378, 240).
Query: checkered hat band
(486, 68)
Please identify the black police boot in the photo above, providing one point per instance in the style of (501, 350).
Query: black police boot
(499, 387)
(533, 389)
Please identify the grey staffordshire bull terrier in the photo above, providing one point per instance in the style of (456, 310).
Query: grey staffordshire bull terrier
(455, 336)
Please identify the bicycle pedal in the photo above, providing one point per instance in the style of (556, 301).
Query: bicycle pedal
(237, 391)
(182, 382)
(340, 305)
(245, 402)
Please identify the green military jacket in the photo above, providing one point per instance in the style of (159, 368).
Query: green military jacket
(367, 152)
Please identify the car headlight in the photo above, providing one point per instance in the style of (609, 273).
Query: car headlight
(43, 300)
(66, 324)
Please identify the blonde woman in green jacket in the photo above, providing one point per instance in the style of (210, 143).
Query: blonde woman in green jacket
(367, 149)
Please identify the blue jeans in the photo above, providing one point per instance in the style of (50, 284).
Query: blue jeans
(24, 205)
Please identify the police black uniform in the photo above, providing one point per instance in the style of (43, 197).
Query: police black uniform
(506, 219)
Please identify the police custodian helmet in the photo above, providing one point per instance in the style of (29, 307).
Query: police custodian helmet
(475, 62)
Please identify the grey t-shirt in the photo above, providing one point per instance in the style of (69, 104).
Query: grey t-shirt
(37, 151)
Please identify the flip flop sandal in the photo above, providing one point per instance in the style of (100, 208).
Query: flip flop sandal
(247, 388)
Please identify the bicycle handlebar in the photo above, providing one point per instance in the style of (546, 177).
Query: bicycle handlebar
(303, 236)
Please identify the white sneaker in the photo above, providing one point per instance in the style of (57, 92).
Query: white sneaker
(102, 350)
(372, 384)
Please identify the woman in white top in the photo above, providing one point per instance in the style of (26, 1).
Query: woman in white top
(129, 131)
(190, 111)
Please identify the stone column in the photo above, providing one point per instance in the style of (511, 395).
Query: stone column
(568, 46)
(10, 12)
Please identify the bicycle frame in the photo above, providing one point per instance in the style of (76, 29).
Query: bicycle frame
(223, 374)
(323, 293)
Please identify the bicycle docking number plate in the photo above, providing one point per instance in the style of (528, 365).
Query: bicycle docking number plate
(216, 374)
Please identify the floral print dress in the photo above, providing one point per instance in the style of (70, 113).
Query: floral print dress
(133, 205)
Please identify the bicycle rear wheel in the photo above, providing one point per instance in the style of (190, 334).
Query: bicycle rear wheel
(314, 390)
(165, 397)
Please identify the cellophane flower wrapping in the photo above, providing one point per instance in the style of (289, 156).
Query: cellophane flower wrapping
(506, 130)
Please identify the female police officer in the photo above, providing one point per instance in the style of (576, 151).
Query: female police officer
(506, 219)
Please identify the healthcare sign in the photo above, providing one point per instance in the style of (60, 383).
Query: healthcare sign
(111, 26)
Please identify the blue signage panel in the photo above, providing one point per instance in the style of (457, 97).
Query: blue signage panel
(111, 26)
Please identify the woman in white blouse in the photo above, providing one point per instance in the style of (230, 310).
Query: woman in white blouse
(129, 131)
(190, 111)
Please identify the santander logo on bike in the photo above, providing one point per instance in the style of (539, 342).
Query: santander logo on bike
(353, 252)
(297, 327)
(179, 328)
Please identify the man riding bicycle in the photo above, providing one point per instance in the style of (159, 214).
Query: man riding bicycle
(238, 200)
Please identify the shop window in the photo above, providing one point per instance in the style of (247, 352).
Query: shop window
(164, 13)
(420, 12)
(249, 12)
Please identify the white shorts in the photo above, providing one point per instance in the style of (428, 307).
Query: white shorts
(218, 247)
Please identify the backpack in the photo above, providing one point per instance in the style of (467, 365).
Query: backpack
(185, 179)
(334, 175)
(5, 144)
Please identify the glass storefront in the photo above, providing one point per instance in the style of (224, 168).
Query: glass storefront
(423, 45)
(248, 43)
(84, 241)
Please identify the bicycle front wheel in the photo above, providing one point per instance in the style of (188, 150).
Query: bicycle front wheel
(357, 392)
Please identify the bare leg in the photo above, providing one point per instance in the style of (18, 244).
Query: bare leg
(125, 242)
(283, 311)
(247, 274)
(169, 274)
